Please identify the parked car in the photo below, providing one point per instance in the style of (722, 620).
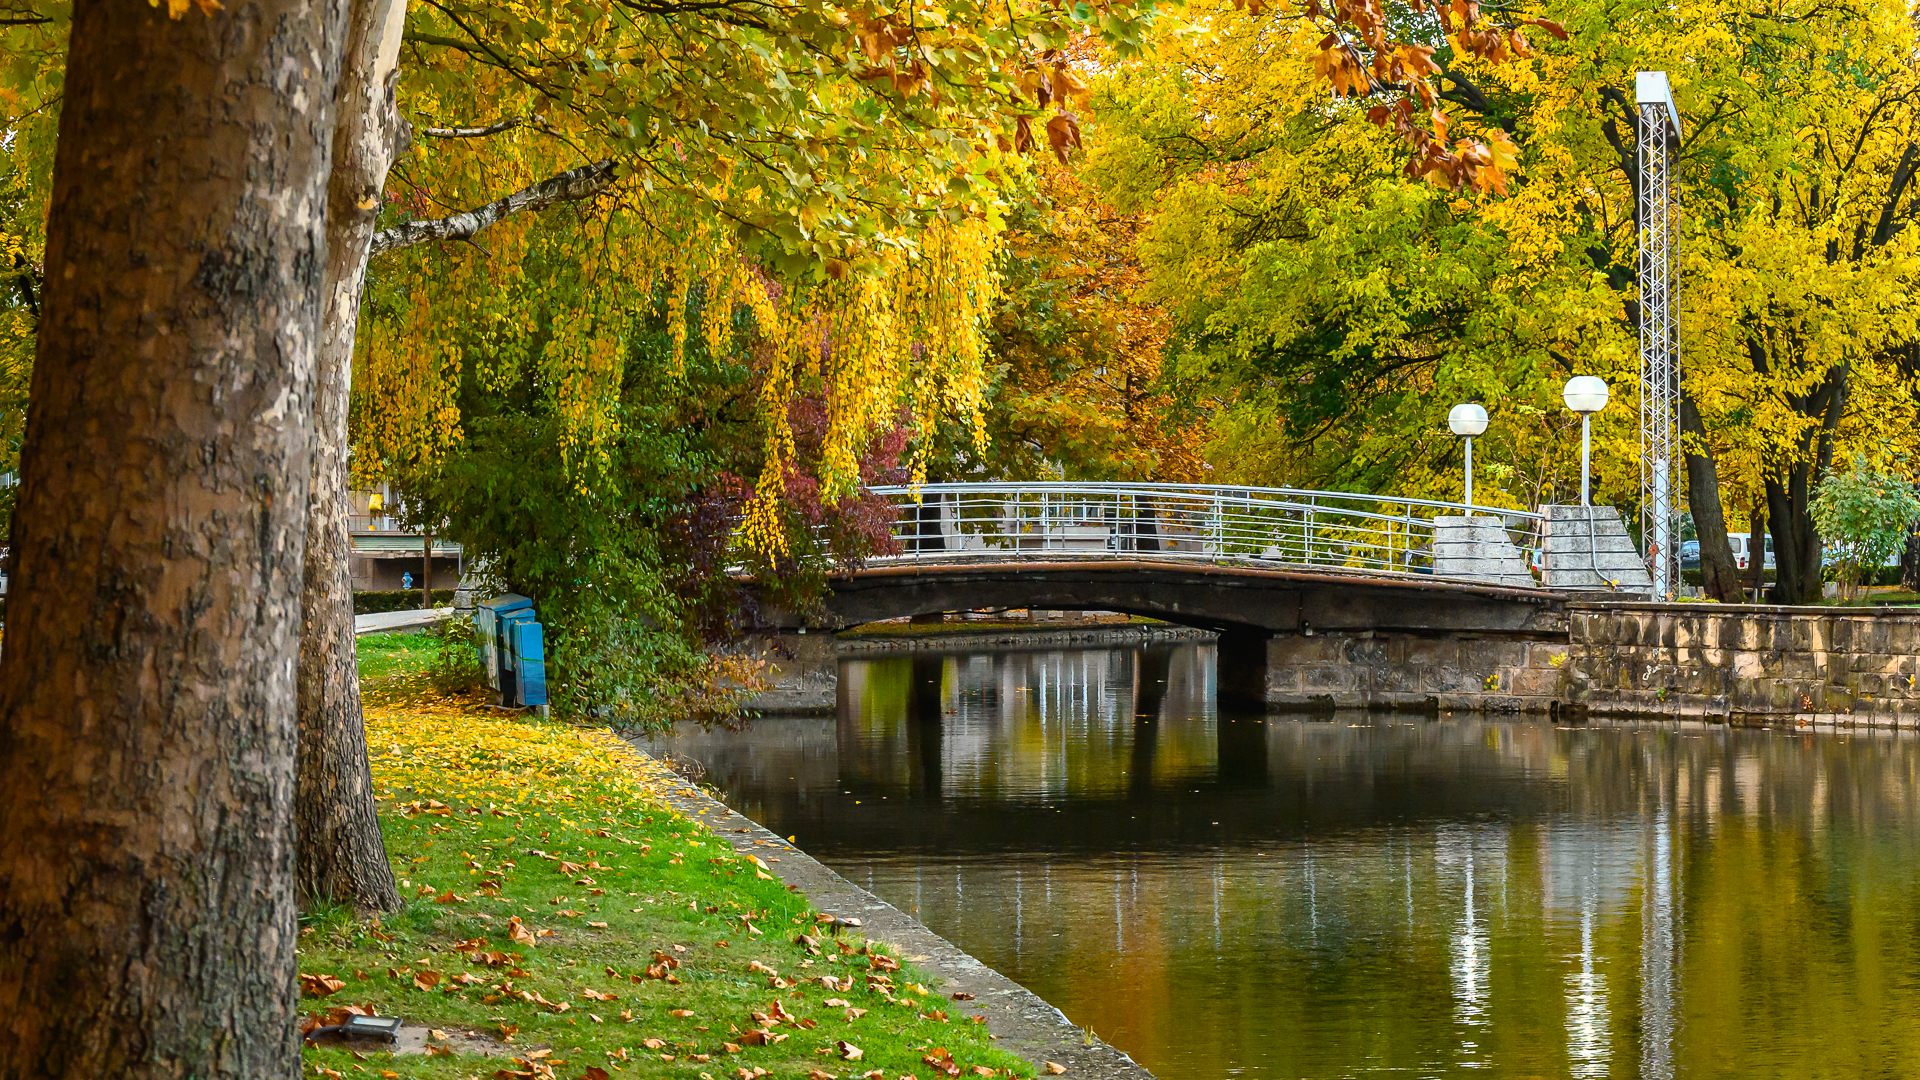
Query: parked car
(1690, 555)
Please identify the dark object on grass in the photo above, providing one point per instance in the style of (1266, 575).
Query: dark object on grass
(361, 1027)
(835, 924)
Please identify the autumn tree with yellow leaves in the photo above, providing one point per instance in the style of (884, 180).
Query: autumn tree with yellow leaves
(1338, 304)
(1080, 389)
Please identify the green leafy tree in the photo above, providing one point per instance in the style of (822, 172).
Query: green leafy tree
(1864, 512)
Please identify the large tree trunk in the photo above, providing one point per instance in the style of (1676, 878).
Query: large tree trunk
(1719, 575)
(1796, 544)
(146, 691)
(341, 855)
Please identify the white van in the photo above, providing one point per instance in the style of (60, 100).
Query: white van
(1741, 550)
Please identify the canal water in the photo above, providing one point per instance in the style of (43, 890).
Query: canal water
(1371, 895)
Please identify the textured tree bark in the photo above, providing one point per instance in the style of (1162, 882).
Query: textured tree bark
(1798, 565)
(341, 856)
(1789, 485)
(1719, 575)
(1757, 551)
(146, 691)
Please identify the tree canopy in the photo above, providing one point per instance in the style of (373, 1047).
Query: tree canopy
(1337, 307)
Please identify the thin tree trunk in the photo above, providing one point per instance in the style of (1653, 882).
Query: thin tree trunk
(147, 688)
(342, 857)
(1757, 550)
(1718, 574)
(1786, 558)
(426, 571)
(1910, 561)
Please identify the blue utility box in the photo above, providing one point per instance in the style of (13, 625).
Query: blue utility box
(527, 650)
(512, 649)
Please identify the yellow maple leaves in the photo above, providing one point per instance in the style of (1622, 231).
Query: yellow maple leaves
(489, 759)
(1339, 64)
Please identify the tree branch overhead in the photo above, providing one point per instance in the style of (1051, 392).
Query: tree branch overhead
(573, 185)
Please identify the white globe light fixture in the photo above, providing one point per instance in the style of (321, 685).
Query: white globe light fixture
(1467, 421)
(1586, 395)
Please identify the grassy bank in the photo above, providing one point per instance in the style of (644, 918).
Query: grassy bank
(562, 918)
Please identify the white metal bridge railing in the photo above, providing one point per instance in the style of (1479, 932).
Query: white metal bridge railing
(1272, 527)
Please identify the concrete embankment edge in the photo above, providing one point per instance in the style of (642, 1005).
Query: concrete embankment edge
(1019, 1019)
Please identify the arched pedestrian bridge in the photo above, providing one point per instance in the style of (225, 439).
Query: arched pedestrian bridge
(1231, 558)
(1250, 563)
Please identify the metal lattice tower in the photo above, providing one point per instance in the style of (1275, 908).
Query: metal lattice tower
(1659, 339)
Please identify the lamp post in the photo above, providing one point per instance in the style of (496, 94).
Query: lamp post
(1586, 395)
(1467, 421)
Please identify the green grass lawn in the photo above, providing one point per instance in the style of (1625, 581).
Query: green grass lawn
(558, 907)
(383, 656)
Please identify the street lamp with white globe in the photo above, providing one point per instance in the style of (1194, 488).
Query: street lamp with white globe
(1586, 395)
(1467, 421)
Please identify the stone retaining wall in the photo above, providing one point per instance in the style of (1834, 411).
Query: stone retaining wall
(1746, 663)
(1416, 673)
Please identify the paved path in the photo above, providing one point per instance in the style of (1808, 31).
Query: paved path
(410, 619)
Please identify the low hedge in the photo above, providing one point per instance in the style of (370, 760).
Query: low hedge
(1888, 575)
(375, 601)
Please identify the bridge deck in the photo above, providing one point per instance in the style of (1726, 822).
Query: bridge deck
(962, 561)
(1219, 597)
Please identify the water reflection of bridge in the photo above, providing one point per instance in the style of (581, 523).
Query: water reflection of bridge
(1086, 746)
(1064, 701)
